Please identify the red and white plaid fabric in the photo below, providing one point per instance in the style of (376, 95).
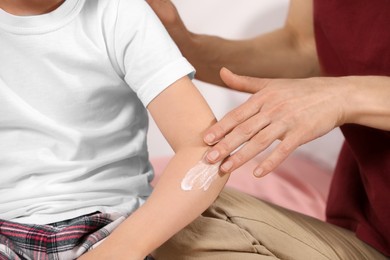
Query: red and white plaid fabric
(62, 240)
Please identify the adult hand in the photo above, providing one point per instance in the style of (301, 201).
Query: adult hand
(294, 111)
(170, 18)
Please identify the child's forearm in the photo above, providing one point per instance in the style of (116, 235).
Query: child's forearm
(182, 115)
(168, 210)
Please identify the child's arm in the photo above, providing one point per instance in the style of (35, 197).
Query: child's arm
(182, 115)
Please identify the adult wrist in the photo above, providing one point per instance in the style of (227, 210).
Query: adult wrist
(367, 101)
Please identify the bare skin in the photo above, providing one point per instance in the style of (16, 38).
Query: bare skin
(286, 52)
(291, 102)
(276, 111)
(169, 208)
(174, 207)
(29, 7)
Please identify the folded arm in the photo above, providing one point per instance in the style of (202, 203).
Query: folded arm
(182, 115)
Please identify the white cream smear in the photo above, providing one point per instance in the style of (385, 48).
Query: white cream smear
(200, 176)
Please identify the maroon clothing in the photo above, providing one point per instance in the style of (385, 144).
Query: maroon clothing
(353, 38)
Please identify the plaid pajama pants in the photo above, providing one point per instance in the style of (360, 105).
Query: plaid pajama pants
(62, 240)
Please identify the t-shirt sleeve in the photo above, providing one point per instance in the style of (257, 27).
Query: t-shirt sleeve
(147, 56)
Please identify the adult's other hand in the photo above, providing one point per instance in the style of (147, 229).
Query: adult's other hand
(171, 19)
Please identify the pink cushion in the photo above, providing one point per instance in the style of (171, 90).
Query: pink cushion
(299, 183)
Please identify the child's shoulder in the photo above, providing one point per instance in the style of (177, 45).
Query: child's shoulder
(118, 3)
(126, 8)
(118, 11)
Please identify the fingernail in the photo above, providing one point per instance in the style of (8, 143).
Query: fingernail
(226, 166)
(258, 172)
(209, 138)
(212, 156)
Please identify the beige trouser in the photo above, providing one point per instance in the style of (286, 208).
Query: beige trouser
(240, 227)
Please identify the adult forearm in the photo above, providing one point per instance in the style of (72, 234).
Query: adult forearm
(287, 52)
(273, 55)
(369, 101)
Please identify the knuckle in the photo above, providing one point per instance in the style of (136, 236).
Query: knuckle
(285, 149)
(292, 119)
(287, 146)
(261, 142)
(239, 158)
(223, 147)
(245, 130)
(236, 115)
(218, 129)
(255, 101)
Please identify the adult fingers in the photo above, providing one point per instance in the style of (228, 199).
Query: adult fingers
(231, 120)
(256, 145)
(277, 156)
(238, 136)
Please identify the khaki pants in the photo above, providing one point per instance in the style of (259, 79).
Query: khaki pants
(240, 227)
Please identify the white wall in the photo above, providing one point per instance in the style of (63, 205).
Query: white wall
(235, 20)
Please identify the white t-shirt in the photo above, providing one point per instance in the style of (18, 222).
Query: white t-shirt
(74, 84)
